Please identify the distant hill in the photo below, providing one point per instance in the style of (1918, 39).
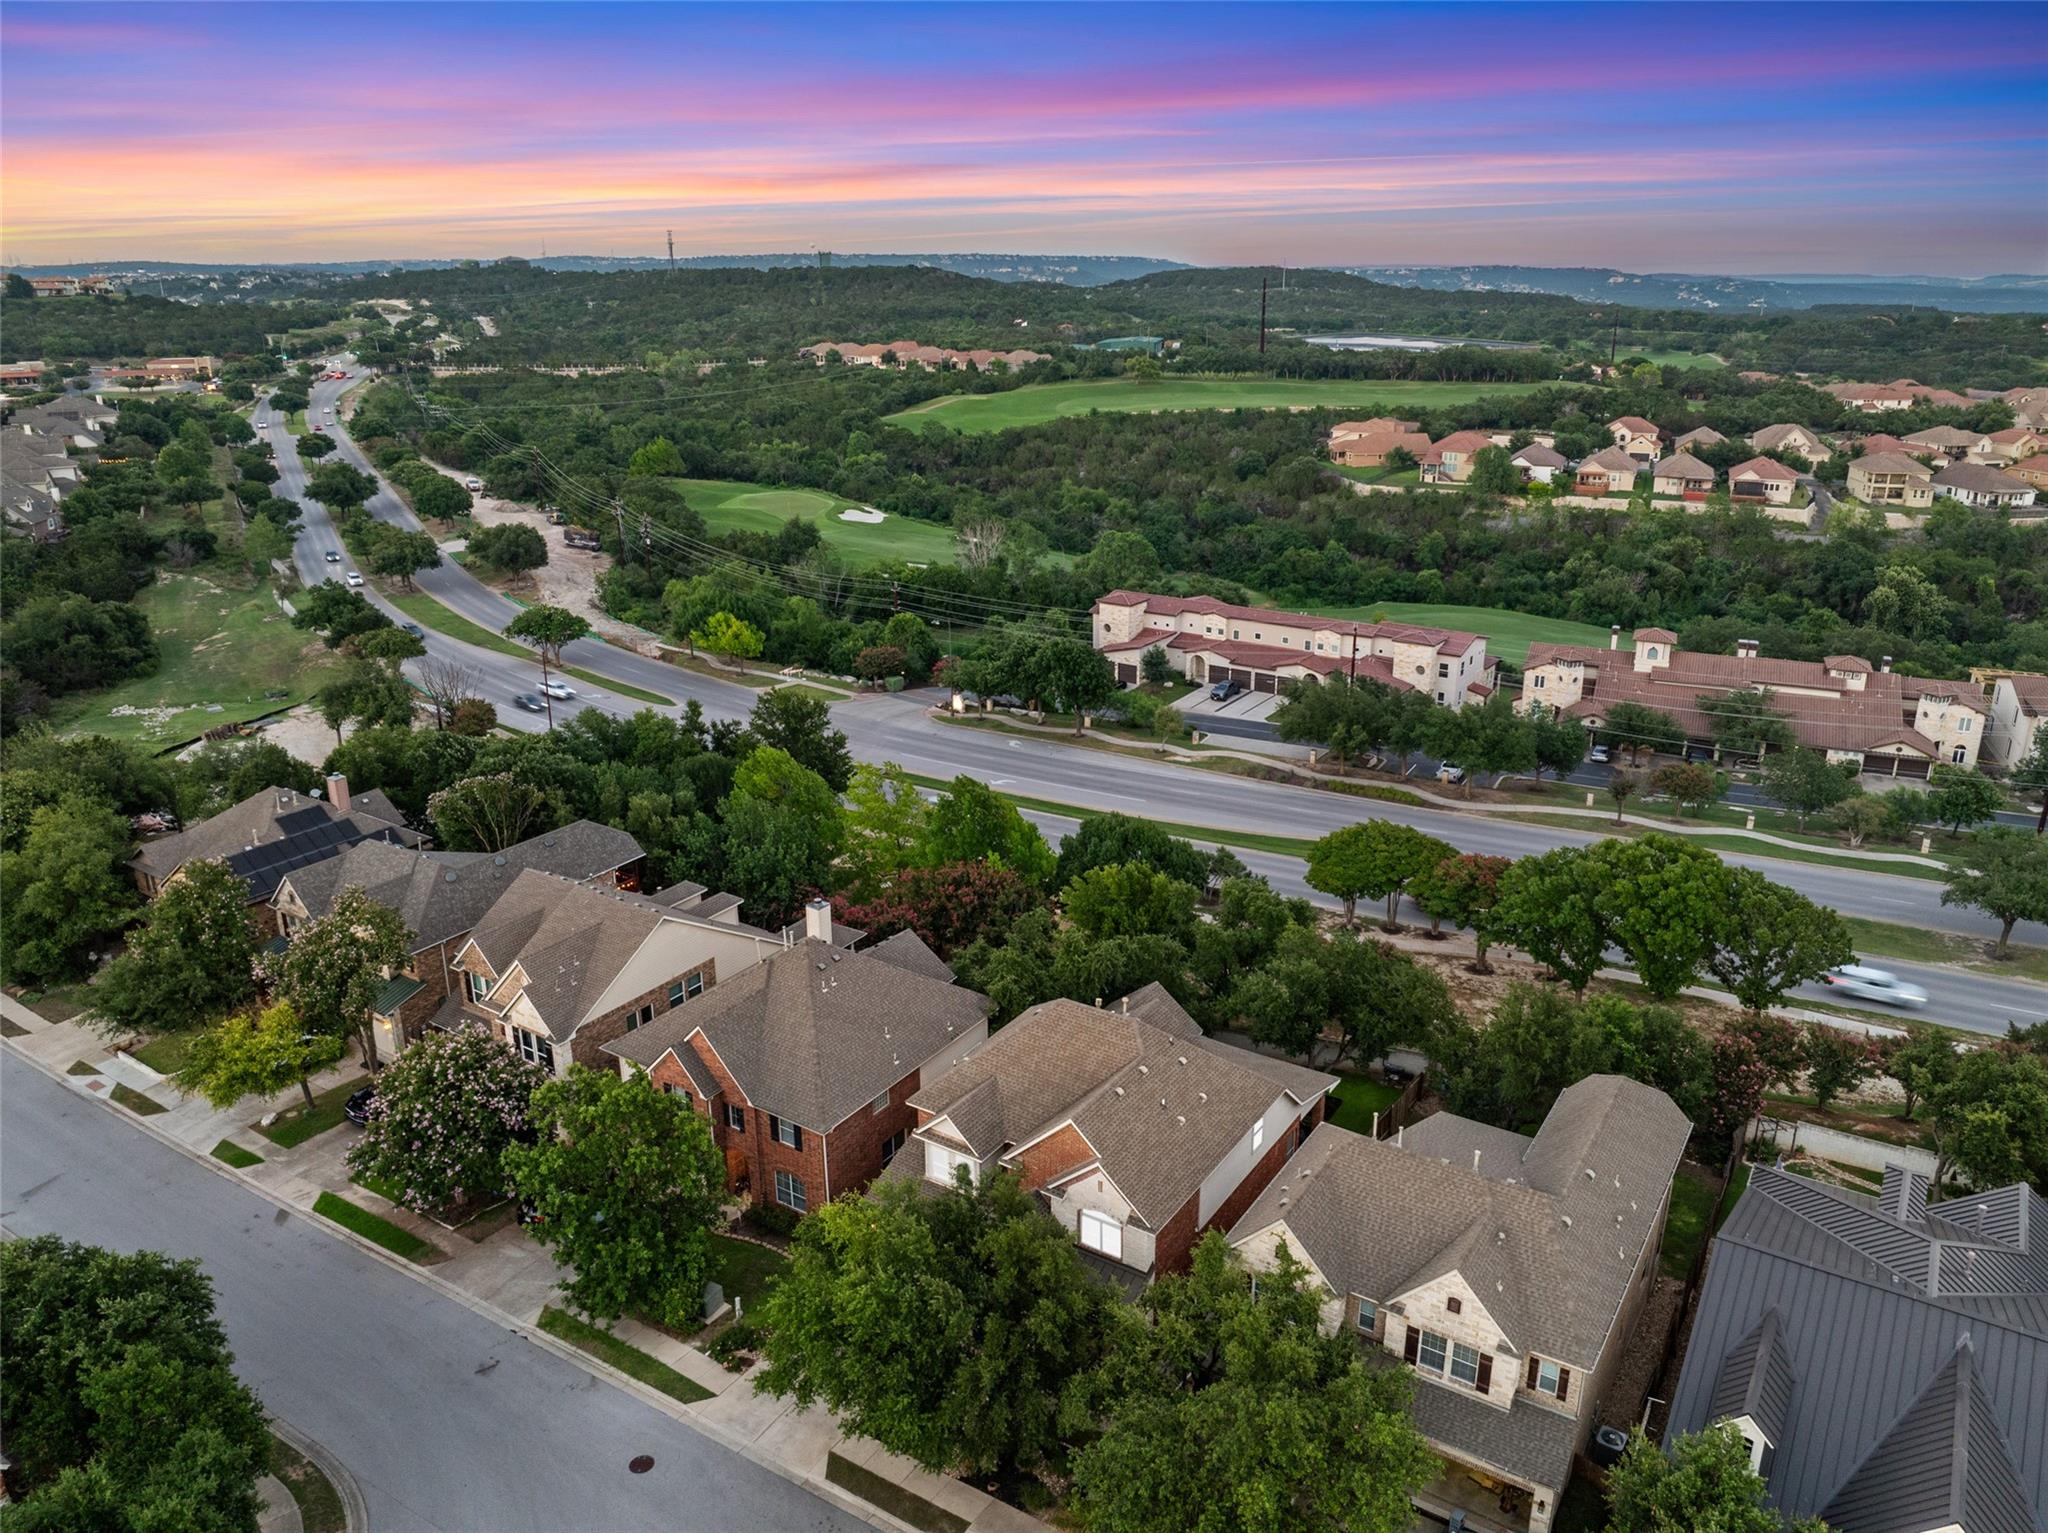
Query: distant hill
(2006, 294)
(1070, 270)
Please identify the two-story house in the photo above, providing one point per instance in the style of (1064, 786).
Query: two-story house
(1450, 461)
(1891, 479)
(1950, 442)
(806, 1064)
(1884, 1357)
(1137, 1131)
(2019, 707)
(1639, 438)
(1788, 437)
(1505, 1271)
(557, 969)
(441, 896)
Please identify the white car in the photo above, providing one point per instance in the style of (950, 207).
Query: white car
(472, 483)
(556, 690)
(354, 579)
(1868, 984)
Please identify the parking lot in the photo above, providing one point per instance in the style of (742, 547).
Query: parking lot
(1249, 707)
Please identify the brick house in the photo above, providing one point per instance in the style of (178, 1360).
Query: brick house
(441, 896)
(268, 834)
(1138, 1132)
(806, 1063)
(557, 969)
(1505, 1271)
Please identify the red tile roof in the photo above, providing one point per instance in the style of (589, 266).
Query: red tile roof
(1457, 641)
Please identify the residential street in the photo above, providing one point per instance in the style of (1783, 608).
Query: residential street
(447, 1420)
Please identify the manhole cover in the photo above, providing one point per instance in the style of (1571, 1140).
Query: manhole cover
(642, 1464)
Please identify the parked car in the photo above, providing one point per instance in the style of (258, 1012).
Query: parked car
(1868, 984)
(472, 483)
(529, 701)
(1599, 754)
(334, 556)
(1224, 691)
(354, 579)
(1450, 774)
(414, 629)
(556, 690)
(357, 1108)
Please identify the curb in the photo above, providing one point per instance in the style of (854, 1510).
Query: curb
(355, 1511)
(817, 1485)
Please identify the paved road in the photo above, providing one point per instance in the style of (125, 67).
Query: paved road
(378, 1368)
(882, 727)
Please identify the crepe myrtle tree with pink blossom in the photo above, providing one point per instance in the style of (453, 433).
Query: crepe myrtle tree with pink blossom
(445, 1111)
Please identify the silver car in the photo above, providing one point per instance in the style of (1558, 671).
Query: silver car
(1867, 984)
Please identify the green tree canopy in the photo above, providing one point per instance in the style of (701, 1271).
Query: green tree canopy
(1806, 782)
(2004, 873)
(192, 959)
(337, 963)
(1770, 939)
(783, 831)
(1960, 797)
(971, 822)
(446, 1111)
(257, 1054)
(1702, 1482)
(801, 725)
(1129, 899)
(1553, 908)
(64, 891)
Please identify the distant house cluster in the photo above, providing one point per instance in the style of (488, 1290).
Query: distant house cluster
(1855, 712)
(913, 354)
(165, 370)
(1262, 649)
(40, 463)
(71, 287)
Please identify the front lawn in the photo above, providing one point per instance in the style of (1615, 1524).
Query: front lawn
(295, 1125)
(165, 1054)
(622, 1355)
(1356, 1098)
(745, 1270)
(143, 1107)
(377, 1230)
(234, 1155)
(900, 1502)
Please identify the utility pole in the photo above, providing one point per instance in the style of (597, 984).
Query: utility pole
(671, 252)
(1614, 342)
(619, 511)
(1262, 316)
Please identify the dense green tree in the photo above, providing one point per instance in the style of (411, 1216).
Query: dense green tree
(364, 692)
(396, 552)
(1130, 899)
(729, 638)
(1919, 1059)
(1702, 1483)
(1688, 785)
(487, 813)
(1103, 839)
(446, 1111)
(1554, 908)
(1494, 473)
(72, 643)
(509, 548)
(628, 1184)
(783, 831)
(1155, 670)
(257, 1054)
(1347, 997)
(1637, 727)
(1769, 939)
(1960, 798)
(439, 498)
(1227, 1409)
(341, 488)
(1462, 889)
(1806, 782)
(1374, 859)
(1837, 1061)
(801, 725)
(120, 1407)
(1489, 737)
(335, 612)
(1663, 901)
(886, 816)
(2003, 873)
(1746, 721)
(65, 891)
(947, 1326)
(192, 959)
(338, 962)
(1988, 1119)
(971, 822)
(1560, 742)
(313, 445)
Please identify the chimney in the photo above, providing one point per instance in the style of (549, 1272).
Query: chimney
(1885, 664)
(818, 921)
(1745, 649)
(1614, 636)
(337, 791)
(1475, 1160)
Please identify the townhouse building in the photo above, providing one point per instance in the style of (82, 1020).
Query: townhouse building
(1262, 648)
(807, 1063)
(1505, 1271)
(1885, 723)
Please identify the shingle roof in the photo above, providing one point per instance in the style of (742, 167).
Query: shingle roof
(1538, 1240)
(1612, 459)
(1536, 455)
(1771, 438)
(443, 894)
(1875, 1312)
(1635, 425)
(1683, 465)
(267, 835)
(1981, 479)
(1159, 1104)
(1943, 436)
(1890, 463)
(1762, 468)
(907, 950)
(1527, 1440)
(815, 1033)
(569, 939)
(1701, 434)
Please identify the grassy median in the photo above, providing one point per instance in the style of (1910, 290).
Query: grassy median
(373, 1228)
(429, 613)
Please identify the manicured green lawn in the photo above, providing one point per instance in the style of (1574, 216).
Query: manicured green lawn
(1685, 1231)
(81, 1067)
(624, 1356)
(295, 1125)
(142, 1106)
(353, 1216)
(1406, 477)
(165, 1055)
(1738, 1184)
(735, 506)
(1038, 403)
(241, 1159)
(428, 613)
(899, 1501)
(221, 644)
(1356, 1098)
(1508, 634)
(745, 1269)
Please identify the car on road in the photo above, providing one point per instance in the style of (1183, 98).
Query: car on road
(261, 424)
(318, 427)
(557, 690)
(529, 701)
(1868, 984)
(357, 1108)
(1599, 755)
(472, 483)
(414, 629)
(334, 556)
(1224, 691)
(354, 578)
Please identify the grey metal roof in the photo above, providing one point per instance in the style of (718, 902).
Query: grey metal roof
(1548, 1243)
(1869, 1325)
(814, 1033)
(1756, 1380)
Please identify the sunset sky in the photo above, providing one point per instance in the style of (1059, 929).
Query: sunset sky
(1879, 138)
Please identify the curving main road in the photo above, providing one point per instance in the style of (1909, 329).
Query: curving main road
(898, 728)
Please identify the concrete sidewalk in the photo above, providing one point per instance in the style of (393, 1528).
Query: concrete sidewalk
(494, 1267)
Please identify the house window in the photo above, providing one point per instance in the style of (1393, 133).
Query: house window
(1465, 1364)
(479, 987)
(641, 1017)
(782, 1131)
(1258, 1136)
(675, 993)
(1546, 1378)
(1368, 1317)
(689, 1102)
(533, 1048)
(940, 1163)
(1101, 1233)
(693, 985)
(1651, 652)
(1963, 725)
(735, 1118)
(789, 1192)
(1538, 682)
(879, 1103)
(891, 1145)
(1430, 1352)
(1442, 669)
(1956, 755)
